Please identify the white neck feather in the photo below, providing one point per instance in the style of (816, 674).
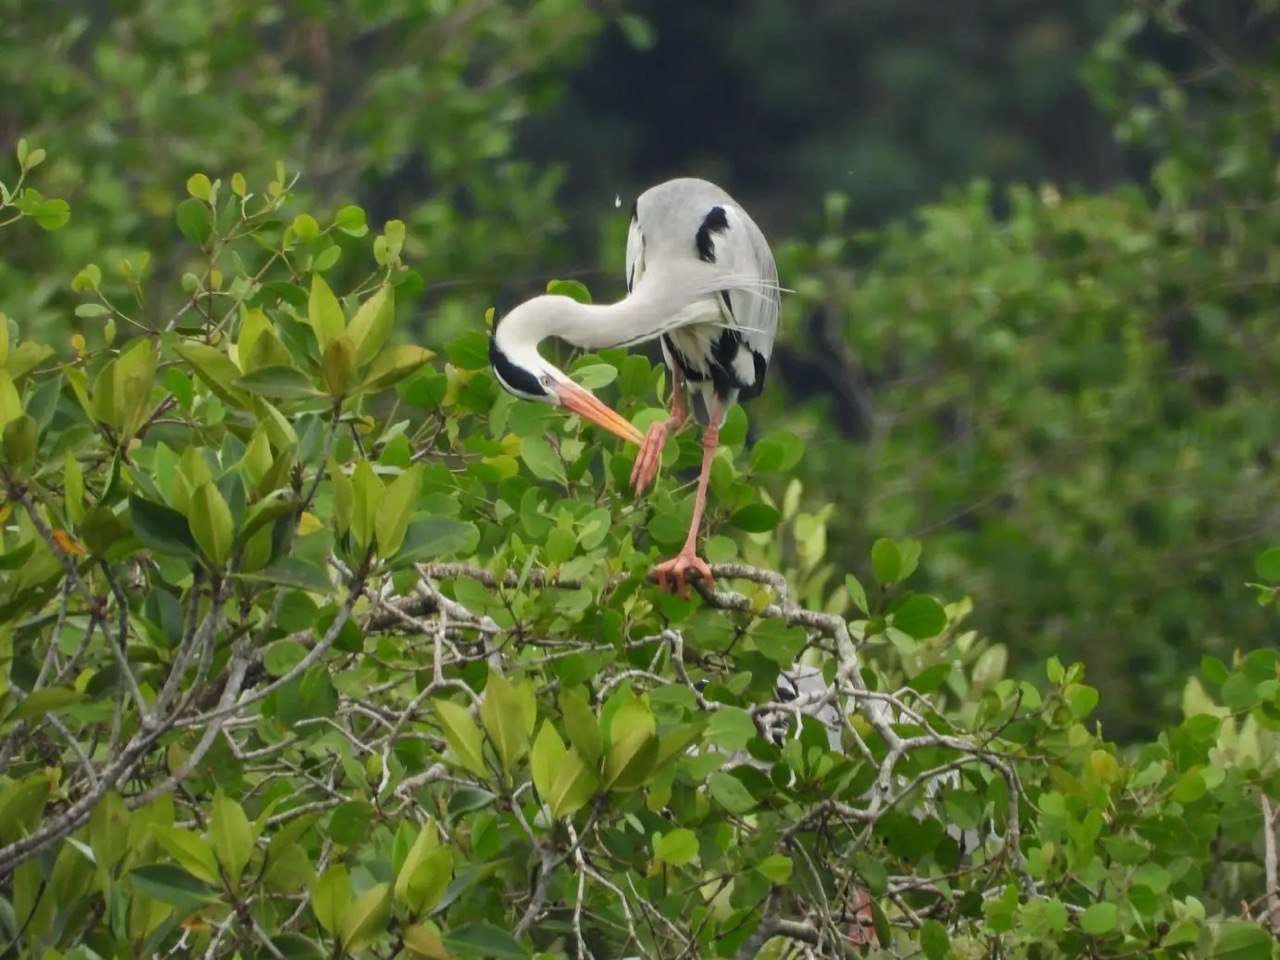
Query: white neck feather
(667, 297)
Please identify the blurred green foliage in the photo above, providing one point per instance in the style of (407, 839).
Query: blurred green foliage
(408, 107)
(1069, 400)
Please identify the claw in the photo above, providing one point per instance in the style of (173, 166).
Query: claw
(671, 573)
(649, 459)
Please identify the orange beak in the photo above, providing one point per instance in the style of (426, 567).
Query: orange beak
(584, 403)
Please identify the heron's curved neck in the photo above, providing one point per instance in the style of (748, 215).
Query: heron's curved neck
(653, 308)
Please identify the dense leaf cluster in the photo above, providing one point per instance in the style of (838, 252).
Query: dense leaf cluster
(313, 647)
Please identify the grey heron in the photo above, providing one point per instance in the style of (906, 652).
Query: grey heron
(702, 279)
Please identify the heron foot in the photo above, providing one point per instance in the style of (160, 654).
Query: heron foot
(649, 459)
(671, 573)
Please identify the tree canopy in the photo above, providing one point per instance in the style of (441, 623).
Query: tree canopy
(314, 642)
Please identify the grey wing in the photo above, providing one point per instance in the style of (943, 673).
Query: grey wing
(752, 309)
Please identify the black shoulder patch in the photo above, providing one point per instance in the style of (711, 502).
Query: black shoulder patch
(635, 209)
(762, 367)
(714, 222)
(515, 379)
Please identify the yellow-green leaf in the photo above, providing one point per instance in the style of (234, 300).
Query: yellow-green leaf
(393, 365)
(367, 918)
(10, 402)
(215, 369)
(582, 726)
(331, 898)
(546, 759)
(426, 872)
(575, 784)
(396, 508)
(344, 497)
(423, 940)
(338, 367)
(211, 524)
(463, 736)
(192, 852)
(253, 324)
(231, 835)
(324, 312)
(503, 717)
(368, 491)
(372, 323)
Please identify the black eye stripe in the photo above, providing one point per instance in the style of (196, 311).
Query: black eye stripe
(514, 378)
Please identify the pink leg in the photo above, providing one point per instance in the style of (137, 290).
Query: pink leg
(672, 573)
(649, 459)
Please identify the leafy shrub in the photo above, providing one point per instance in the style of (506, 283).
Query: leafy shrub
(315, 647)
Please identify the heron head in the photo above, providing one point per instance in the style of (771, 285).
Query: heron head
(524, 374)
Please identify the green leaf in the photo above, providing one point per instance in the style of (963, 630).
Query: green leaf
(351, 220)
(730, 793)
(425, 874)
(172, 885)
(394, 364)
(575, 784)
(543, 462)
(463, 737)
(886, 561)
(857, 593)
(161, 528)
(338, 366)
(292, 572)
(46, 700)
(10, 402)
(731, 728)
(367, 918)
(367, 489)
(424, 940)
(25, 357)
(581, 723)
(331, 898)
(503, 719)
(304, 227)
(211, 523)
(324, 312)
(776, 453)
(482, 940)
(1267, 566)
(198, 186)
(1082, 699)
(276, 383)
(595, 375)
(372, 323)
(677, 848)
(20, 438)
(755, 518)
(215, 369)
(231, 835)
(569, 288)
(195, 220)
(1100, 919)
(191, 851)
(920, 616)
(545, 759)
(633, 749)
(1243, 940)
(776, 867)
(934, 940)
(398, 501)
